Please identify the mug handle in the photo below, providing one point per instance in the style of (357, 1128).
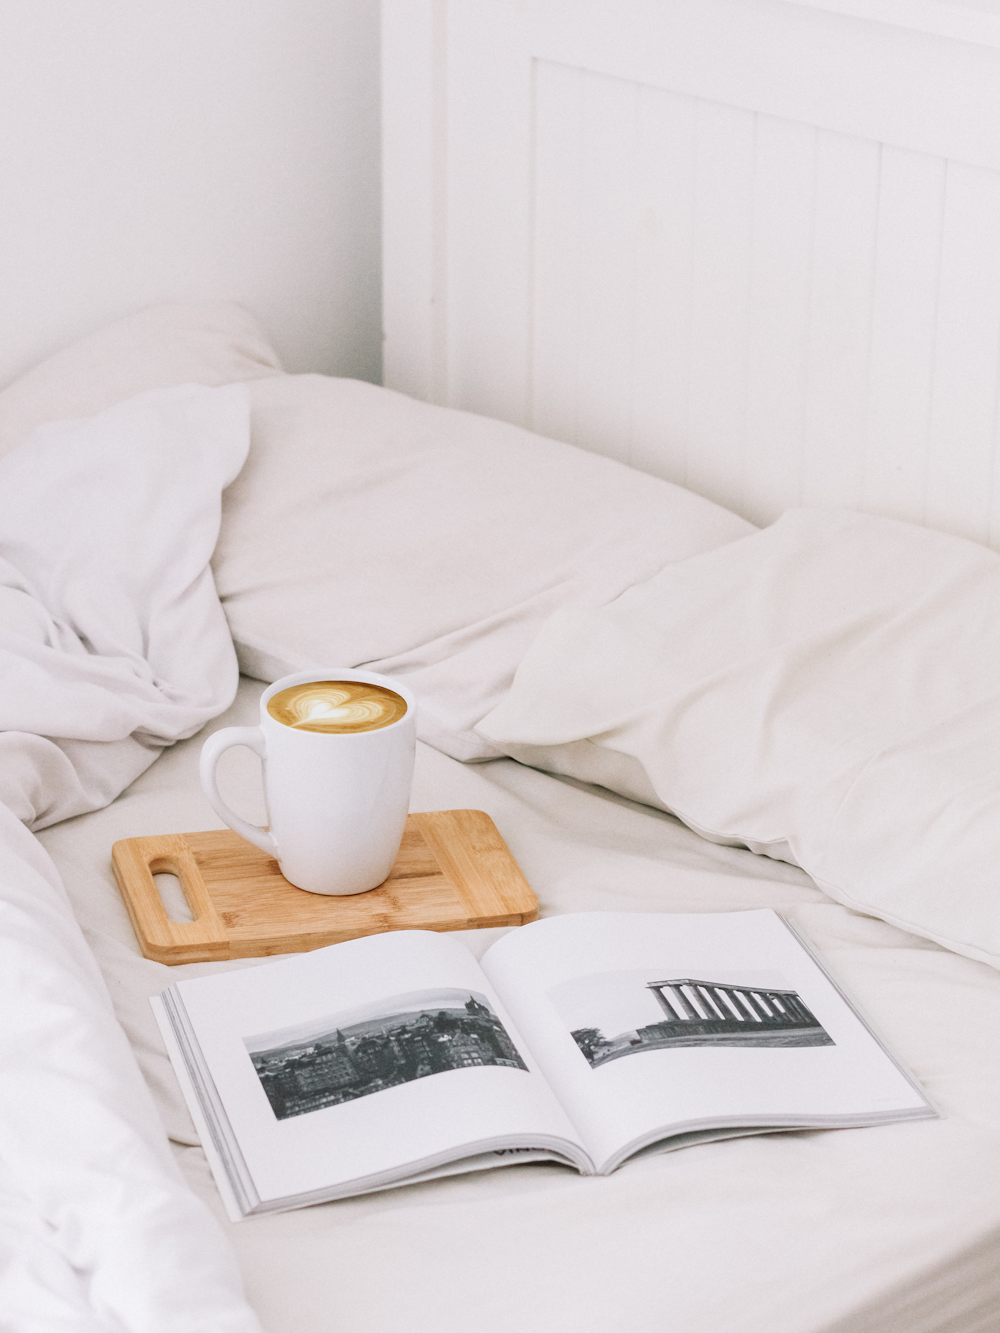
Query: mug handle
(211, 752)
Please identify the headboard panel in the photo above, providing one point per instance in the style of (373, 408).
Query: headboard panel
(752, 246)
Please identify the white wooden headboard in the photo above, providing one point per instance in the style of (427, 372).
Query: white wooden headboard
(752, 246)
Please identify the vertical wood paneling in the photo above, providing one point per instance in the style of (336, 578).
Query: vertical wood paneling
(664, 232)
(723, 215)
(962, 437)
(487, 97)
(558, 239)
(665, 167)
(784, 196)
(608, 266)
(840, 316)
(904, 314)
(412, 245)
(769, 313)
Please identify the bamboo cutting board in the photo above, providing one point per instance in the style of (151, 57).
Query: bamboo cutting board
(453, 872)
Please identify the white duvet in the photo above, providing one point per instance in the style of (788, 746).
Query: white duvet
(887, 1230)
(112, 645)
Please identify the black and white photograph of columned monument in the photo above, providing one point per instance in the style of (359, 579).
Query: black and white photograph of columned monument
(339, 1058)
(690, 1012)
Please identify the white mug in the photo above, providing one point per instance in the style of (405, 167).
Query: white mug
(336, 802)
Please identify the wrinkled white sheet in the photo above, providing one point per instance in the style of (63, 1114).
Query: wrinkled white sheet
(825, 691)
(889, 1230)
(892, 1230)
(112, 645)
(429, 544)
(112, 640)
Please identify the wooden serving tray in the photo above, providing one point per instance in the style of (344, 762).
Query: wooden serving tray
(453, 872)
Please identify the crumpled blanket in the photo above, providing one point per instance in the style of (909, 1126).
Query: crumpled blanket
(112, 645)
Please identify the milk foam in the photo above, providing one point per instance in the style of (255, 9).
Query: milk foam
(336, 707)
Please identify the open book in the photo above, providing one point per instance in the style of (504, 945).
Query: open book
(582, 1039)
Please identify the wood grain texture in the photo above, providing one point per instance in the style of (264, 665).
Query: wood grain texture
(453, 872)
(471, 853)
(135, 862)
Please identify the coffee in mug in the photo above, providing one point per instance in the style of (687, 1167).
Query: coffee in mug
(339, 707)
(337, 749)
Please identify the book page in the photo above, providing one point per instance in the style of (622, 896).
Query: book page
(365, 1058)
(652, 1024)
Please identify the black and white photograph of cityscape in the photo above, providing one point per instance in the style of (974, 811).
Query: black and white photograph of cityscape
(614, 1014)
(339, 1058)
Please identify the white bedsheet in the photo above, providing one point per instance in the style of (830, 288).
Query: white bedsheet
(112, 640)
(112, 645)
(888, 1230)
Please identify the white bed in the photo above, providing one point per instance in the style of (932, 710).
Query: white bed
(891, 1228)
(774, 295)
(867, 1229)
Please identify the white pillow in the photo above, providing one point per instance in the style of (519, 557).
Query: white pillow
(425, 542)
(205, 342)
(826, 691)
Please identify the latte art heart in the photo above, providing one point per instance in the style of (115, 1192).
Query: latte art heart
(336, 707)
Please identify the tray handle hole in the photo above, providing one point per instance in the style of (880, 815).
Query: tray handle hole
(175, 904)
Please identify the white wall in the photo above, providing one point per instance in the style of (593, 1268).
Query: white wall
(191, 149)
